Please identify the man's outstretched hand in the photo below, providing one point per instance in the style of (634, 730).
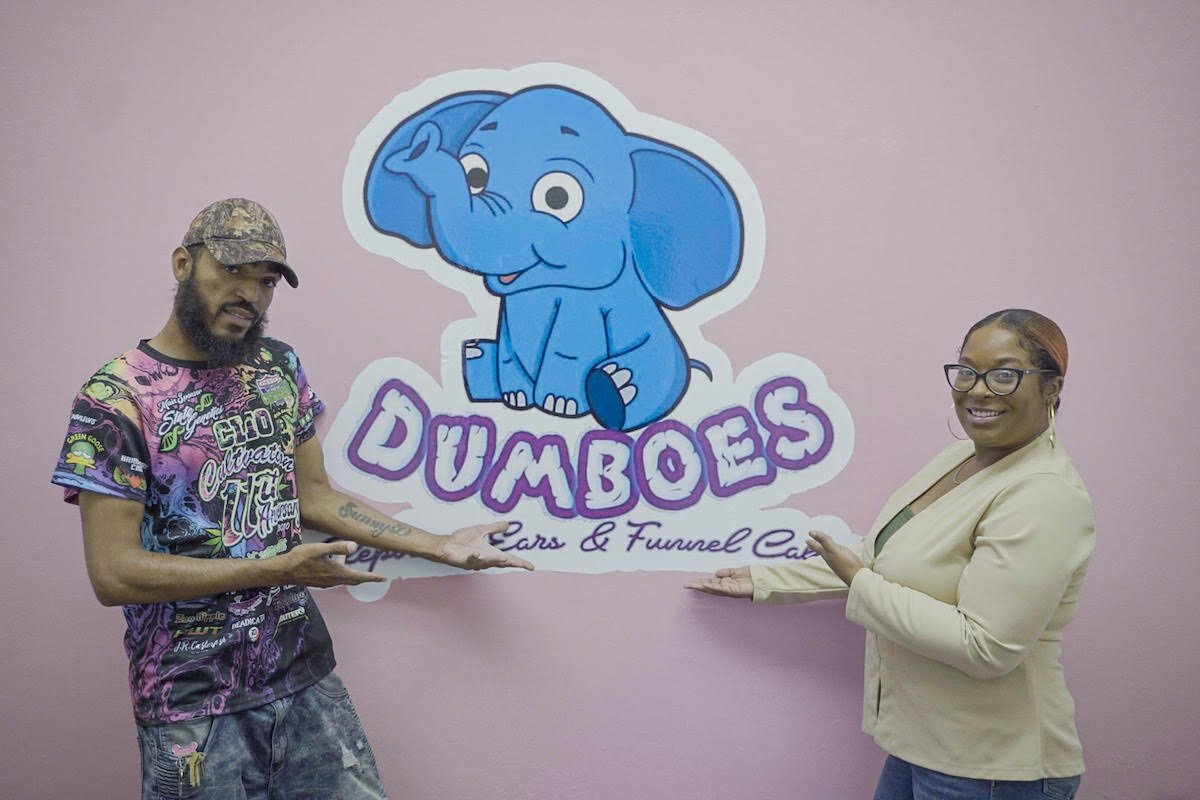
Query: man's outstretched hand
(469, 548)
(321, 565)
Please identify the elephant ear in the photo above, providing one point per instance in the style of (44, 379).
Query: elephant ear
(685, 224)
(394, 204)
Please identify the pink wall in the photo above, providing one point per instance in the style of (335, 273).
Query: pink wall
(920, 164)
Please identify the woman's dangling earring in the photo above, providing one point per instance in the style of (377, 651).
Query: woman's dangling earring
(1051, 407)
(951, 429)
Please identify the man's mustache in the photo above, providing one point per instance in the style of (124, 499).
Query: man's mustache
(249, 309)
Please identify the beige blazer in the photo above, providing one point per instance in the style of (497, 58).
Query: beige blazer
(964, 611)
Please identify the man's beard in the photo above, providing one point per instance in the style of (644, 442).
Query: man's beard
(194, 321)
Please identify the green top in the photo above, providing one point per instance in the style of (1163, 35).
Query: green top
(902, 516)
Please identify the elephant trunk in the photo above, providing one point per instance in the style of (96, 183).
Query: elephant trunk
(467, 229)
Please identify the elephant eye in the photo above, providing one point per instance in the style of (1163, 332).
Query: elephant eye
(559, 195)
(477, 172)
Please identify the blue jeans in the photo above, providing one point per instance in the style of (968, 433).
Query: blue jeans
(307, 745)
(901, 780)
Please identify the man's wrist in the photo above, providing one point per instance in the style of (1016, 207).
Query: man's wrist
(418, 543)
(276, 570)
(434, 547)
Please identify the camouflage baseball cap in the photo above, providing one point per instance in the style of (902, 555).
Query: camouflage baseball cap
(240, 231)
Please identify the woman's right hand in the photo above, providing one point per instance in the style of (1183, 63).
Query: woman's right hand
(726, 583)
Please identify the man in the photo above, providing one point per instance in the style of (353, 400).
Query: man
(194, 463)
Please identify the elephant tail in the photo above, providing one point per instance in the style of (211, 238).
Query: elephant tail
(700, 365)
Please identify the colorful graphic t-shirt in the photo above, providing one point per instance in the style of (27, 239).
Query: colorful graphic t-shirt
(211, 454)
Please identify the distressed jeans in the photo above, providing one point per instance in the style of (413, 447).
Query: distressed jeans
(307, 746)
(901, 780)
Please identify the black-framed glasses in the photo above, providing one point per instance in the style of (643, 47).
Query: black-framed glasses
(999, 381)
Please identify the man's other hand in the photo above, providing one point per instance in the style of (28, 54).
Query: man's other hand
(323, 565)
(469, 548)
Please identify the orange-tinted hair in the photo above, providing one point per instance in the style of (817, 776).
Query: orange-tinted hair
(1039, 335)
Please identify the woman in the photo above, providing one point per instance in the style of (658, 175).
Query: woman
(965, 584)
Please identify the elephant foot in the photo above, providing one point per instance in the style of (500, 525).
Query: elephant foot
(518, 400)
(479, 370)
(609, 392)
(561, 406)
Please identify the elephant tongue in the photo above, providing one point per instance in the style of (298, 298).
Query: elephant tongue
(507, 279)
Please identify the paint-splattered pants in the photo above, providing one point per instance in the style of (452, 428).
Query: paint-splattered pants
(310, 744)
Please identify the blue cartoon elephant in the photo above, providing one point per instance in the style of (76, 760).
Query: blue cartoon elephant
(584, 231)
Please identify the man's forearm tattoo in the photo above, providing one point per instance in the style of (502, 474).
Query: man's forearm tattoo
(378, 527)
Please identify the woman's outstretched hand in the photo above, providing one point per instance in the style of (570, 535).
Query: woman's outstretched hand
(726, 583)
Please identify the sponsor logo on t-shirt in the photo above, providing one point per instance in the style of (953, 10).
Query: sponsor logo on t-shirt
(182, 414)
(130, 472)
(295, 613)
(134, 464)
(82, 450)
(272, 389)
(246, 622)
